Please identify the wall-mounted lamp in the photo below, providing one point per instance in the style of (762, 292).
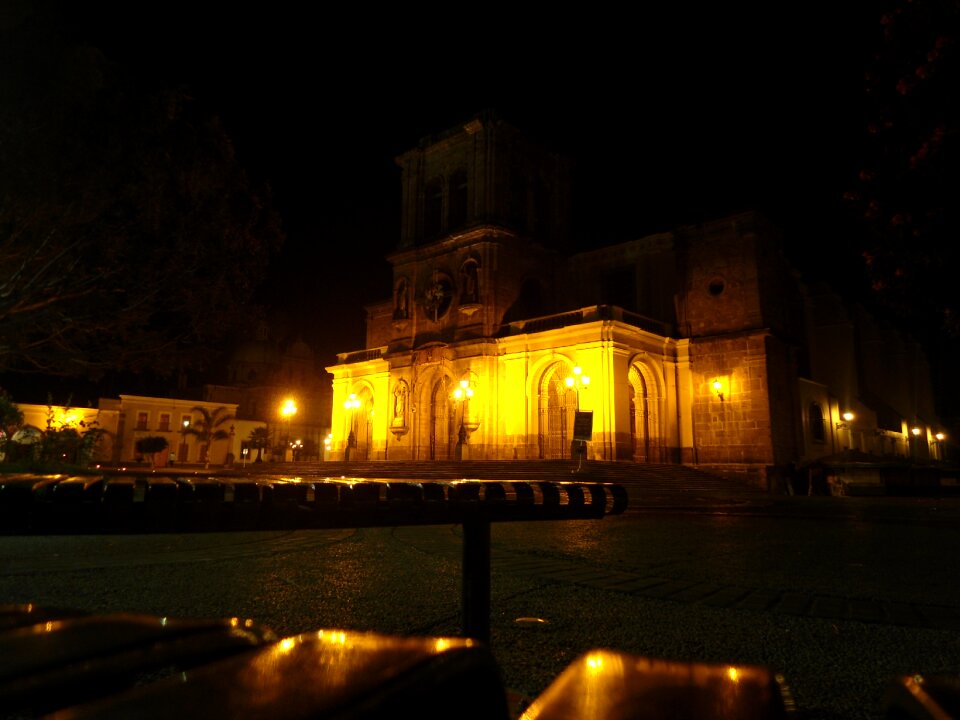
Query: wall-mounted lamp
(940, 437)
(718, 389)
(847, 418)
(915, 431)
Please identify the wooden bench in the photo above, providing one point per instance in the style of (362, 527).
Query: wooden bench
(171, 503)
(139, 667)
(104, 667)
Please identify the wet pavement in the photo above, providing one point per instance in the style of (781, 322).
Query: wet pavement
(839, 594)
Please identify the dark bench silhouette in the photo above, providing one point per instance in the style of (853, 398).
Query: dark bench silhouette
(162, 503)
(87, 667)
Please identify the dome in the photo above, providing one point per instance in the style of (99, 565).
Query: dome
(299, 350)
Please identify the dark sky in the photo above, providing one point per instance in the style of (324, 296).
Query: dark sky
(671, 116)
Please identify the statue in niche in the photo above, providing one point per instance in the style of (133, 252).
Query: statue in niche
(468, 280)
(401, 302)
(399, 401)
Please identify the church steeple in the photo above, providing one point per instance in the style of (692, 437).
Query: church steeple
(483, 172)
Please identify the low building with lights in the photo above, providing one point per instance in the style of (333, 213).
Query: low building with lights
(118, 423)
(697, 346)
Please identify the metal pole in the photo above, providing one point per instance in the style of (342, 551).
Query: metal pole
(476, 579)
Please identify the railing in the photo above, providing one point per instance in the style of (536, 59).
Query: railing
(592, 313)
(359, 356)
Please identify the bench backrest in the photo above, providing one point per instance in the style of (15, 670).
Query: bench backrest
(191, 503)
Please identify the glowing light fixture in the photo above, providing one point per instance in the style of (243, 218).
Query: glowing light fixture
(847, 418)
(351, 405)
(461, 395)
(288, 408)
(464, 391)
(576, 381)
(717, 386)
(915, 431)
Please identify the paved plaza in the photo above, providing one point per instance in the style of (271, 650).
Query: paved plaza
(838, 594)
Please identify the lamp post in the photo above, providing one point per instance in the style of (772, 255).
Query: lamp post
(351, 405)
(287, 411)
(576, 381)
(296, 446)
(461, 396)
(578, 447)
(183, 440)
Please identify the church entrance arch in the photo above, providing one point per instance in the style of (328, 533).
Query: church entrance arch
(359, 425)
(442, 436)
(646, 432)
(555, 409)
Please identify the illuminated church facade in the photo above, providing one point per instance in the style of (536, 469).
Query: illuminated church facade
(695, 346)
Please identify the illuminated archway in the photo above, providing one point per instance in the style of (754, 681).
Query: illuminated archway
(358, 419)
(441, 431)
(646, 425)
(555, 408)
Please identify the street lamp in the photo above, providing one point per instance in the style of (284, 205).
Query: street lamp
(578, 447)
(576, 381)
(183, 442)
(287, 411)
(461, 396)
(351, 405)
(297, 446)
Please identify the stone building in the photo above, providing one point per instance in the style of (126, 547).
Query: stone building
(280, 386)
(697, 346)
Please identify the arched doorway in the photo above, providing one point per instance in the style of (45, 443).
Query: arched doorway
(358, 419)
(646, 435)
(555, 409)
(442, 434)
(365, 429)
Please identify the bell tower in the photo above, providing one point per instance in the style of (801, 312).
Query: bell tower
(484, 211)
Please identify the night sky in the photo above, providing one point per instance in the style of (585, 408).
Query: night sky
(671, 116)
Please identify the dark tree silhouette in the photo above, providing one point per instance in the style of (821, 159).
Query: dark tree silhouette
(130, 236)
(151, 445)
(11, 420)
(906, 192)
(909, 180)
(259, 438)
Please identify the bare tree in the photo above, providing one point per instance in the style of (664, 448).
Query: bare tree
(131, 238)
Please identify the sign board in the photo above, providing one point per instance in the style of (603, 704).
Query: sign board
(583, 425)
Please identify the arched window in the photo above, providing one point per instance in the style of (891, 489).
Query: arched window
(433, 210)
(817, 429)
(401, 305)
(458, 200)
(469, 281)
